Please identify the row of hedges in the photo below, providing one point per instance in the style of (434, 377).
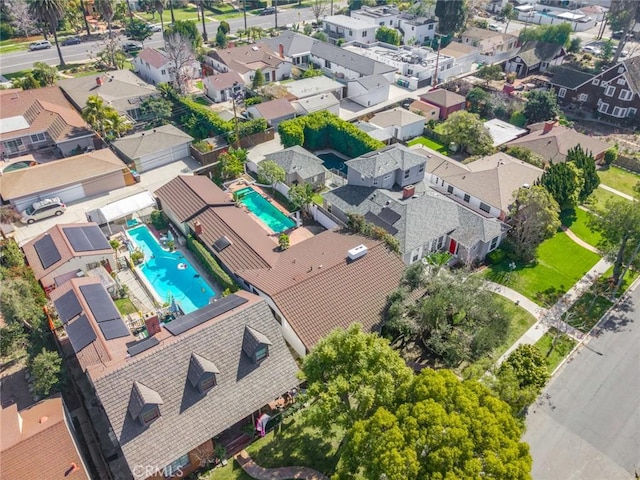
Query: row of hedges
(325, 130)
(248, 128)
(211, 265)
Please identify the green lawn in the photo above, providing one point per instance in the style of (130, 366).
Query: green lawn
(427, 142)
(578, 221)
(619, 179)
(586, 312)
(125, 306)
(599, 198)
(554, 356)
(626, 283)
(187, 13)
(561, 263)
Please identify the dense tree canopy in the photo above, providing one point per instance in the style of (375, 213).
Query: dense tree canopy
(452, 15)
(388, 35)
(564, 182)
(541, 106)
(187, 29)
(269, 171)
(587, 164)
(558, 34)
(138, 30)
(490, 73)
(468, 131)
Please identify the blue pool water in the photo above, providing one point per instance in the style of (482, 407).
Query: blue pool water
(162, 271)
(331, 160)
(260, 207)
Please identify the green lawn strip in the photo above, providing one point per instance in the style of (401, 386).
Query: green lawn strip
(600, 197)
(619, 179)
(578, 222)
(586, 312)
(227, 16)
(189, 13)
(554, 356)
(125, 306)
(232, 471)
(427, 142)
(11, 76)
(13, 47)
(561, 263)
(626, 283)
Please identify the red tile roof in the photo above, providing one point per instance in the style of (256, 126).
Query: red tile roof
(224, 80)
(153, 57)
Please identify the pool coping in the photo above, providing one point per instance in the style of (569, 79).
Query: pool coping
(273, 203)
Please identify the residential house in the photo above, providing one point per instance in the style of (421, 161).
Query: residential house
(535, 57)
(381, 15)
(40, 442)
(154, 148)
(71, 179)
(489, 43)
(374, 131)
(340, 28)
(488, 184)
(428, 111)
(121, 89)
(464, 56)
(369, 91)
(344, 65)
(66, 250)
(614, 93)
(552, 142)
(293, 47)
(321, 102)
(223, 86)
(310, 87)
(41, 118)
(273, 111)
(154, 66)
(402, 124)
(503, 132)
(247, 59)
(448, 102)
(300, 166)
(416, 29)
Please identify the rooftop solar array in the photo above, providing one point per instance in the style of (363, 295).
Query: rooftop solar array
(221, 243)
(211, 311)
(47, 251)
(113, 329)
(389, 216)
(68, 306)
(80, 333)
(142, 345)
(100, 303)
(86, 239)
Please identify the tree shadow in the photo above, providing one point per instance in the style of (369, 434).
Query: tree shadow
(621, 317)
(568, 217)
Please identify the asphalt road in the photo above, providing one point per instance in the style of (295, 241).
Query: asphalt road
(14, 62)
(586, 425)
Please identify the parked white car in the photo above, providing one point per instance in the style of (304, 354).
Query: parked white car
(591, 49)
(48, 207)
(41, 45)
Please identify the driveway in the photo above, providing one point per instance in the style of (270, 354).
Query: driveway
(586, 425)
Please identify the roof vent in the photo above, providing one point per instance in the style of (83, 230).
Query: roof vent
(43, 419)
(357, 252)
(525, 185)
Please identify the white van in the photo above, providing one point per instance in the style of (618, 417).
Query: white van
(43, 209)
(41, 45)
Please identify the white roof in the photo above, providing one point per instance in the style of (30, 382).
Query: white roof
(570, 15)
(12, 124)
(126, 206)
(312, 86)
(347, 22)
(503, 132)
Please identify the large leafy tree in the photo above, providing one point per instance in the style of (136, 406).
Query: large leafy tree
(187, 29)
(478, 100)
(49, 12)
(508, 13)
(301, 195)
(350, 374)
(490, 73)
(559, 34)
(45, 74)
(444, 429)
(587, 164)
(18, 304)
(534, 217)
(45, 368)
(180, 52)
(388, 35)
(541, 106)
(452, 15)
(271, 172)
(138, 30)
(468, 131)
(564, 182)
(159, 109)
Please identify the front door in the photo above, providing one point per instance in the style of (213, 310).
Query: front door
(453, 247)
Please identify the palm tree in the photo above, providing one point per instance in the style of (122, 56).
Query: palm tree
(95, 113)
(49, 12)
(204, 28)
(84, 17)
(107, 10)
(173, 19)
(160, 9)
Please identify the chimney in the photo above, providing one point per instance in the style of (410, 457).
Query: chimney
(99, 81)
(408, 191)
(152, 323)
(548, 126)
(281, 50)
(197, 226)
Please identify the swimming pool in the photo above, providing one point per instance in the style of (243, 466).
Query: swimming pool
(170, 273)
(260, 207)
(331, 160)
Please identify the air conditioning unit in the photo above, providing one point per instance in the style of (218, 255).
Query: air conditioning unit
(357, 252)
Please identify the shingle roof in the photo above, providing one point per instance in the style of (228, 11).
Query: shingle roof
(396, 117)
(187, 417)
(198, 365)
(292, 43)
(571, 79)
(36, 443)
(372, 81)
(297, 160)
(89, 166)
(633, 68)
(141, 396)
(151, 141)
(358, 63)
(247, 58)
(443, 98)
(221, 81)
(480, 33)
(275, 109)
(386, 160)
(252, 340)
(153, 57)
(534, 52)
(457, 49)
(427, 108)
(318, 289)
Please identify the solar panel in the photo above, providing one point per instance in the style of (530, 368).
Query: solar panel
(142, 345)
(376, 220)
(114, 329)
(47, 251)
(80, 333)
(221, 243)
(68, 306)
(78, 240)
(389, 216)
(187, 322)
(96, 237)
(100, 303)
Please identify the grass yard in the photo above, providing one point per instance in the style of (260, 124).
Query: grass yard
(432, 144)
(561, 263)
(586, 312)
(619, 179)
(626, 283)
(578, 222)
(125, 306)
(555, 354)
(187, 13)
(599, 199)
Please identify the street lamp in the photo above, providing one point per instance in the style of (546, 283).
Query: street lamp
(237, 97)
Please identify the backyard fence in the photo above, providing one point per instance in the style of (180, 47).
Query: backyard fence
(325, 218)
(629, 163)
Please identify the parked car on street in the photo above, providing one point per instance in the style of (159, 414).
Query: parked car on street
(591, 49)
(268, 11)
(155, 27)
(71, 41)
(131, 47)
(494, 27)
(41, 45)
(48, 207)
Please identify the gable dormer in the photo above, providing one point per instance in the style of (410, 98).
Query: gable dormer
(202, 373)
(144, 404)
(255, 344)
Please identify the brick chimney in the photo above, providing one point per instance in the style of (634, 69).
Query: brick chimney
(99, 81)
(548, 126)
(281, 50)
(152, 323)
(197, 227)
(408, 191)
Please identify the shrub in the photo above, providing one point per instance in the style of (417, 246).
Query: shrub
(211, 265)
(496, 257)
(159, 220)
(518, 119)
(611, 155)
(203, 146)
(253, 101)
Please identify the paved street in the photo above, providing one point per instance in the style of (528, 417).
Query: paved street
(586, 425)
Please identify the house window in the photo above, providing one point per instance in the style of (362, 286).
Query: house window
(364, 34)
(440, 242)
(562, 92)
(450, 189)
(207, 383)
(415, 256)
(267, 76)
(38, 137)
(467, 197)
(413, 28)
(163, 71)
(631, 112)
(351, 33)
(387, 176)
(421, 169)
(596, 82)
(175, 468)
(583, 97)
(375, 181)
(430, 27)
(484, 207)
(494, 244)
(382, 24)
(149, 415)
(619, 112)
(603, 107)
(261, 353)
(14, 145)
(621, 81)
(621, 70)
(610, 91)
(625, 95)
(407, 173)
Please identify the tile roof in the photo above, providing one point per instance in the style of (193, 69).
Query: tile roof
(187, 417)
(357, 63)
(571, 79)
(90, 166)
(297, 160)
(151, 141)
(293, 43)
(62, 244)
(36, 443)
(396, 117)
(247, 58)
(318, 289)
(225, 80)
(385, 160)
(275, 109)
(443, 98)
(153, 57)
(44, 110)
(427, 108)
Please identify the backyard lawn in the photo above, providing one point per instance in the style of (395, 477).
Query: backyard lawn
(578, 221)
(619, 179)
(561, 263)
(600, 197)
(125, 306)
(427, 142)
(554, 356)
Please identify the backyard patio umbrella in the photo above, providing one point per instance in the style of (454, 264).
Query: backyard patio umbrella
(170, 236)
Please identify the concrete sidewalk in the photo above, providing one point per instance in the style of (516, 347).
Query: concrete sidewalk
(617, 192)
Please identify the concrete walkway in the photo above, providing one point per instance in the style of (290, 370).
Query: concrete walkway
(579, 241)
(261, 473)
(617, 192)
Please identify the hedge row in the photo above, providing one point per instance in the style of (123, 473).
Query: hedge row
(325, 130)
(210, 264)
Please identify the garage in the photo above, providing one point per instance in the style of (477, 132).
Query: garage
(153, 148)
(67, 195)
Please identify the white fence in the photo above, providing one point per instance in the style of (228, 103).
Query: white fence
(323, 217)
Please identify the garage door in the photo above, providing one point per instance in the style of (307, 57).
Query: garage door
(164, 157)
(67, 195)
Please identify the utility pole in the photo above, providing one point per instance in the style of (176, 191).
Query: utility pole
(236, 97)
(276, 12)
(244, 13)
(434, 82)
